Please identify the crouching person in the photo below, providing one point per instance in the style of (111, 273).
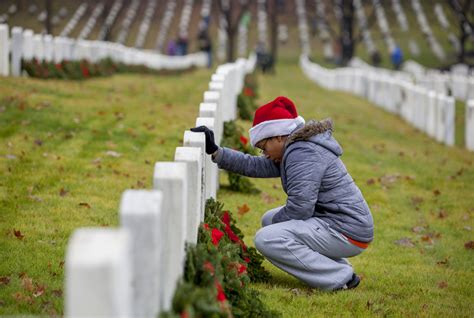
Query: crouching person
(325, 219)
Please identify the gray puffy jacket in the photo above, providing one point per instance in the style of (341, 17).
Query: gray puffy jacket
(314, 178)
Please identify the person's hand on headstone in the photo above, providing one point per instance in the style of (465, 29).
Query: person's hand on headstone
(211, 146)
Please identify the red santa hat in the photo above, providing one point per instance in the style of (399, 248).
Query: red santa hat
(277, 118)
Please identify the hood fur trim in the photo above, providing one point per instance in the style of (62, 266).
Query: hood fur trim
(310, 129)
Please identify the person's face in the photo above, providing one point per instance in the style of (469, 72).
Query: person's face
(272, 148)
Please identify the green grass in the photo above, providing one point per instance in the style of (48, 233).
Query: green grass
(59, 133)
(58, 130)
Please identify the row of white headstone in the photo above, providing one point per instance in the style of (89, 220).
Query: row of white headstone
(132, 271)
(436, 48)
(303, 27)
(146, 23)
(383, 25)
(110, 20)
(127, 21)
(404, 26)
(165, 25)
(364, 27)
(459, 80)
(428, 111)
(80, 11)
(24, 45)
(323, 28)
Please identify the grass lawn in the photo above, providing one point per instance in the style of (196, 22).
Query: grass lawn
(69, 150)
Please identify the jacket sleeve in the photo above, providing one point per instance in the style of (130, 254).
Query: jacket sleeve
(305, 169)
(244, 164)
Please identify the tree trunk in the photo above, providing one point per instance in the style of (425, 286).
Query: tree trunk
(347, 36)
(273, 29)
(49, 14)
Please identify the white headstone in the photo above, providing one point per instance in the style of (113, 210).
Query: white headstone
(193, 158)
(28, 45)
(4, 50)
(171, 179)
(98, 274)
(141, 213)
(192, 139)
(38, 47)
(470, 125)
(212, 172)
(48, 48)
(16, 50)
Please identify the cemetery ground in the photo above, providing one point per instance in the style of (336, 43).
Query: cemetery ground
(69, 150)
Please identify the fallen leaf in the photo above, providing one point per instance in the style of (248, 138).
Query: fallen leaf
(469, 245)
(38, 142)
(370, 181)
(444, 261)
(84, 204)
(147, 162)
(63, 192)
(442, 284)
(4, 280)
(243, 209)
(27, 283)
(406, 242)
(275, 186)
(39, 290)
(268, 199)
(436, 192)
(61, 264)
(140, 184)
(388, 180)
(427, 239)
(111, 153)
(18, 234)
(442, 214)
(57, 293)
(416, 201)
(418, 229)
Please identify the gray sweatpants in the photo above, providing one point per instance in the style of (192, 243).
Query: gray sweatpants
(310, 250)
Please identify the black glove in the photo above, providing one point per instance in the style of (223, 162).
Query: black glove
(211, 146)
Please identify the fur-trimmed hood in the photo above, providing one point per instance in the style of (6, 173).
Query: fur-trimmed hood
(318, 132)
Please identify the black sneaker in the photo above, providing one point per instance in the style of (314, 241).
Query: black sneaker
(351, 284)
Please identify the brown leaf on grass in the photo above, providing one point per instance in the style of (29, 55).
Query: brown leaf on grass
(39, 290)
(418, 229)
(85, 204)
(427, 239)
(405, 242)
(442, 284)
(469, 245)
(388, 180)
(38, 142)
(63, 192)
(61, 264)
(268, 199)
(147, 162)
(4, 280)
(436, 192)
(444, 261)
(20, 298)
(241, 210)
(140, 184)
(18, 234)
(416, 200)
(370, 181)
(119, 115)
(27, 283)
(275, 186)
(442, 214)
(57, 293)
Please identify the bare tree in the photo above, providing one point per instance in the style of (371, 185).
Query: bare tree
(49, 14)
(464, 12)
(232, 17)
